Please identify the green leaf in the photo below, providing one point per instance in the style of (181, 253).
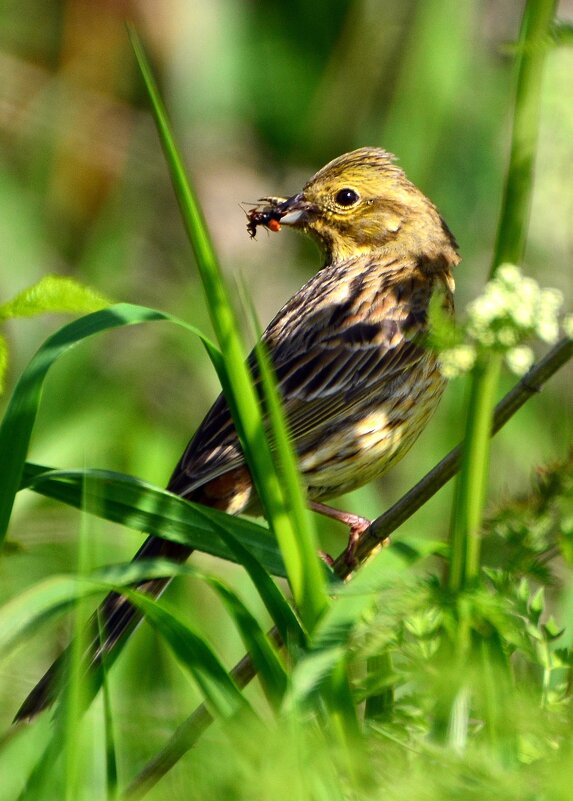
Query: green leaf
(151, 510)
(23, 615)
(277, 605)
(18, 422)
(329, 645)
(221, 694)
(3, 362)
(236, 378)
(537, 605)
(270, 669)
(298, 541)
(552, 630)
(55, 294)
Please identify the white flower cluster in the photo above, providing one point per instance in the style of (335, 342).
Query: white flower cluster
(457, 360)
(511, 308)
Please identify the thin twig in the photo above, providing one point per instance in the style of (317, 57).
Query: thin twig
(530, 384)
(187, 734)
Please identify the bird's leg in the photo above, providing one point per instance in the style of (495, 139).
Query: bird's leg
(357, 526)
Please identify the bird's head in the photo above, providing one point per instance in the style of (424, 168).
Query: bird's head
(362, 202)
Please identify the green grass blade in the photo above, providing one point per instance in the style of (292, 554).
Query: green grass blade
(237, 383)
(380, 702)
(37, 782)
(299, 545)
(18, 422)
(73, 700)
(270, 669)
(330, 639)
(21, 617)
(111, 766)
(343, 721)
(278, 607)
(151, 510)
(222, 696)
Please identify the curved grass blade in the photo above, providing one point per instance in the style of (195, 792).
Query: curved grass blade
(22, 616)
(151, 510)
(18, 422)
(238, 386)
(222, 696)
(270, 669)
(277, 605)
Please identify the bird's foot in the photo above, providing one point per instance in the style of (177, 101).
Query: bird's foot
(326, 558)
(357, 529)
(357, 526)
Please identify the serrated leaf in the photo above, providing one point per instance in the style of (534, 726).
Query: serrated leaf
(551, 629)
(523, 591)
(221, 694)
(3, 362)
(54, 294)
(537, 605)
(533, 632)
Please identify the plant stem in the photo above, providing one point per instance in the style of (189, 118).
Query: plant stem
(470, 496)
(534, 41)
(472, 483)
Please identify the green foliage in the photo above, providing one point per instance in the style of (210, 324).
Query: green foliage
(53, 294)
(133, 503)
(16, 427)
(297, 542)
(435, 671)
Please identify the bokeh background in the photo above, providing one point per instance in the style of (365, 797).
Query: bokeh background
(261, 94)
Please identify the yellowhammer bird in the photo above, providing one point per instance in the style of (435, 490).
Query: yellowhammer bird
(357, 383)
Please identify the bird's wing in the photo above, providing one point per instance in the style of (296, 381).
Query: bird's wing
(323, 377)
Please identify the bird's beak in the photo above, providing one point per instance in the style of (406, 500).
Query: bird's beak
(294, 211)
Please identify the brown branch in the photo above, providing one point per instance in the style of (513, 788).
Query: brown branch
(531, 383)
(187, 734)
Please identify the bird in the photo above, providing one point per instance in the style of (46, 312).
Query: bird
(356, 375)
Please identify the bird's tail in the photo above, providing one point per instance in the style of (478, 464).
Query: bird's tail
(109, 627)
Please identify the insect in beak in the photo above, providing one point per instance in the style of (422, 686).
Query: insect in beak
(277, 211)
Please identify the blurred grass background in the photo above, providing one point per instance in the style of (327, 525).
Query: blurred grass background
(262, 94)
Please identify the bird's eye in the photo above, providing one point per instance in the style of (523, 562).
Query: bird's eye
(347, 197)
